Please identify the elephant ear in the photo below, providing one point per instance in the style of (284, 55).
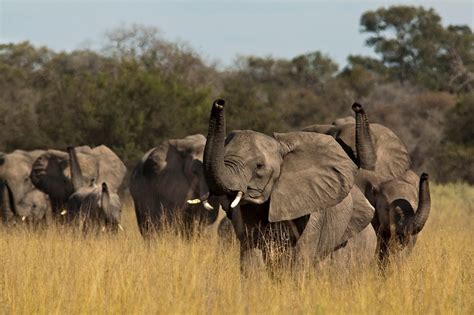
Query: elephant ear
(110, 168)
(47, 174)
(191, 149)
(316, 174)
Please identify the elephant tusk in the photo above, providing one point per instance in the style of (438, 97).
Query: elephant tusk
(23, 218)
(194, 201)
(207, 205)
(120, 227)
(63, 212)
(236, 201)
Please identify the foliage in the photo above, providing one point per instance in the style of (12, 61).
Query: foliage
(140, 89)
(415, 47)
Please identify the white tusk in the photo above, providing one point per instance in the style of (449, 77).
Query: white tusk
(120, 227)
(23, 218)
(103, 229)
(194, 201)
(63, 212)
(207, 205)
(236, 201)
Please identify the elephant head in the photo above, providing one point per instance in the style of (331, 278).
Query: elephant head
(90, 203)
(403, 207)
(22, 202)
(169, 183)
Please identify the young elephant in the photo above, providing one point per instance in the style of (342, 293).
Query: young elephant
(91, 205)
(165, 179)
(399, 222)
(297, 188)
(386, 179)
(51, 173)
(21, 201)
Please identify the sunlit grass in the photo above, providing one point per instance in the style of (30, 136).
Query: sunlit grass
(59, 271)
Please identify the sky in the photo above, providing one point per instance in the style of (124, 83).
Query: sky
(218, 30)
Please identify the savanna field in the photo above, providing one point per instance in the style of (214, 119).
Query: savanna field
(62, 272)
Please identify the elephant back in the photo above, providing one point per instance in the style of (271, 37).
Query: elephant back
(393, 159)
(111, 169)
(51, 171)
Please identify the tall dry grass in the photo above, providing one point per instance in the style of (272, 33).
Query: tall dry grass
(58, 271)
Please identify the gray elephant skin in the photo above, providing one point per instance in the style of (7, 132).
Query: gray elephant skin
(296, 187)
(164, 180)
(21, 201)
(400, 197)
(51, 173)
(92, 206)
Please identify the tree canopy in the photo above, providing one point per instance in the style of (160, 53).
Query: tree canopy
(140, 89)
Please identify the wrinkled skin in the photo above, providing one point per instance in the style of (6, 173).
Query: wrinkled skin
(392, 158)
(397, 202)
(90, 205)
(165, 178)
(384, 177)
(21, 201)
(358, 252)
(51, 173)
(297, 190)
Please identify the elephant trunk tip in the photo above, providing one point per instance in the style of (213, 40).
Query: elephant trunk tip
(219, 103)
(357, 108)
(424, 177)
(104, 187)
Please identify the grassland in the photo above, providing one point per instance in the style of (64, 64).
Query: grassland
(62, 272)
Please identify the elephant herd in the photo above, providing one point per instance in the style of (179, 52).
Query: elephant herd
(345, 186)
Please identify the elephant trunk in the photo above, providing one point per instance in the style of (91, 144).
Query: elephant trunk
(424, 205)
(215, 171)
(364, 145)
(76, 173)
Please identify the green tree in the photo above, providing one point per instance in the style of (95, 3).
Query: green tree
(415, 47)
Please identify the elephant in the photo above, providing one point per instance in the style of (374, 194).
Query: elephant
(294, 189)
(51, 173)
(377, 150)
(90, 204)
(168, 183)
(21, 201)
(358, 252)
(385, 178)
(403, 207)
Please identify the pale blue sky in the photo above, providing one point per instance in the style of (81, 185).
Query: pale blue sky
(217, 30)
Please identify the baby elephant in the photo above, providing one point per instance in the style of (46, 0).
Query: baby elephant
(91, 205)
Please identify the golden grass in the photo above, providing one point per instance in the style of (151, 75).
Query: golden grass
(62, 272)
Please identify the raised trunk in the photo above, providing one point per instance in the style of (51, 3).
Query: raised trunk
(364, 146)
(424, 205)
(76, 173)
(214, 167)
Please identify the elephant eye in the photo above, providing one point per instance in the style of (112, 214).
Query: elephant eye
(34, 206)
(259, 169)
